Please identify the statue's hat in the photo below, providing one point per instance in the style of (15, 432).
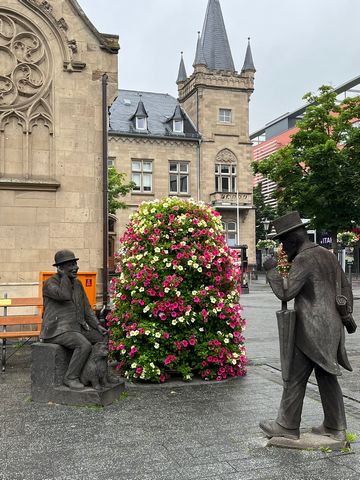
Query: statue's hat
(287, 223)
(63, 256)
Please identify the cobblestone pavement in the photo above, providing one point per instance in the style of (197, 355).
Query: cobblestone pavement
(176, 431)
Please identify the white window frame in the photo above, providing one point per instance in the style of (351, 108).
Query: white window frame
(225, 115)
(142, 173)
(182, 170)
(178, 126)
(232, 231)
(140, 126)
(231, 175)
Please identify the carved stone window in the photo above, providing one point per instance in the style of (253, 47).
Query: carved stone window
(225, 171)
(26, 118)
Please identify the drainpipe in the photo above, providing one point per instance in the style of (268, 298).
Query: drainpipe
(198, 147)
(105, 194)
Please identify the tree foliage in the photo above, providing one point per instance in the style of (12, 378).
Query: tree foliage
(262, 212)
(117, 188)
(318, 173)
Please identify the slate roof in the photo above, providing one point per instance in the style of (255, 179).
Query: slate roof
(182, 75)
(248, 62)
(214, 40)
(160, 108)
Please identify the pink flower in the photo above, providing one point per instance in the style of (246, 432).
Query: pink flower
(210, 359)
(166, 335)
(162, 378)
(196, 299)
(192, 341)
(138, 370)
(185, 343)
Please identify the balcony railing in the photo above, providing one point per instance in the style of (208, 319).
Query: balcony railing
(232, 199)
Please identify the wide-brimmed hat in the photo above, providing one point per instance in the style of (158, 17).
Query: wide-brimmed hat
(63, 256)
(287, 223)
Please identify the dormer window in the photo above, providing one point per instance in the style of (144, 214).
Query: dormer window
(141, 123)
(178, 126)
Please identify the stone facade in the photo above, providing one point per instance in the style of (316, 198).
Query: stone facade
(51, 65)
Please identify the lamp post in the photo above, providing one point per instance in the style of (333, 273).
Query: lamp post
(266, 224)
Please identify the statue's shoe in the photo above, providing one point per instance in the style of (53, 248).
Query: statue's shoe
(339, 435)
(274, 429)
(74, 384)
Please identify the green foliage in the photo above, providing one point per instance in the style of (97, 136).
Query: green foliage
(117, 188)
(347, 239)
(262, 211)
(265, 244)
(351, 437)
(318, 173)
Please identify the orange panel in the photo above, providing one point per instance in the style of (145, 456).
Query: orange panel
(88, 279)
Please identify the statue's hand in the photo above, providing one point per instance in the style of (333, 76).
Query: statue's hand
(102, 330)
(269, 263)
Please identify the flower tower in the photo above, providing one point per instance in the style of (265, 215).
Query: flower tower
(176, 296)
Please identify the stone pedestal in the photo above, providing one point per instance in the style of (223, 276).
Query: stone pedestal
(308, 441)
(49, 363)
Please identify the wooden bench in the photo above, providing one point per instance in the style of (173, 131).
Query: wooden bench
(18, 322)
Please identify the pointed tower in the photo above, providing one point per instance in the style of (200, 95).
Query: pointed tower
(216, 97)
(182, 75)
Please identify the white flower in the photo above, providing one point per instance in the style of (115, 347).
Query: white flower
(141, 289)
(168, 264)
(235, 355)
(166, 290)
(201, 329)
(134, 365)
(199, 269)
(157, 249)
(181, 319)
(196, 265)
(157, 335)
(152, 365)
(146, 309)
(174, 322)
(123, 352)
(178, 293)
(233, 361)
(156, 345)
(147, 332)
(180, 268)
(194, 292)
(226, 340)
(190, 262)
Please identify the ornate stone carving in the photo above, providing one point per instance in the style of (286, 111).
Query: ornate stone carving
(226, 156)
(24, 63)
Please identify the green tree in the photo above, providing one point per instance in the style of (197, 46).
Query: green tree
(318, 173)
(117, 188)
(262, 212)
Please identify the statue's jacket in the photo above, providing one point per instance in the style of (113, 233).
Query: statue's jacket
(66, 307)
(319, 332)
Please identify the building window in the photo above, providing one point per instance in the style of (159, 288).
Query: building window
(225, 178)
(230, 233)
(178, 177)
(225, 115)
(178, 126)
(111, 161)
(141, 123)
(142, 175)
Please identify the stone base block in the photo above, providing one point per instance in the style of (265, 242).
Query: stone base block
(49, 363)
(308, 441)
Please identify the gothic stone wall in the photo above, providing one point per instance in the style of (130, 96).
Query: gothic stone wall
(50, 139)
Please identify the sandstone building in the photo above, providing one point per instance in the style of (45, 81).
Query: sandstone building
(197, 146)
(51, 64)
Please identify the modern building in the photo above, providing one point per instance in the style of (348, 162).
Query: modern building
(197, 145)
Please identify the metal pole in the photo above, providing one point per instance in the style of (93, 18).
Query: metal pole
(105, 190)
(237, 216)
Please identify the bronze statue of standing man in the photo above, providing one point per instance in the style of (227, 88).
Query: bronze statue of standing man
(319, 331)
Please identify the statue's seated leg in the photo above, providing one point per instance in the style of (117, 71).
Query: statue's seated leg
(81, 350)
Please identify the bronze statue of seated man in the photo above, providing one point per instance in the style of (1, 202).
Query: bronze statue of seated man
(68, 319)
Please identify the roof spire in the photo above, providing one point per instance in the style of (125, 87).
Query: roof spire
(214, 41)
(182, 75)
(199, 55)
(248, 62)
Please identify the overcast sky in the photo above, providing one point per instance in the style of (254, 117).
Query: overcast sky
(297, 45)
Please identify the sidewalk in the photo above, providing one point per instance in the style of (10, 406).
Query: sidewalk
(176, 431)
